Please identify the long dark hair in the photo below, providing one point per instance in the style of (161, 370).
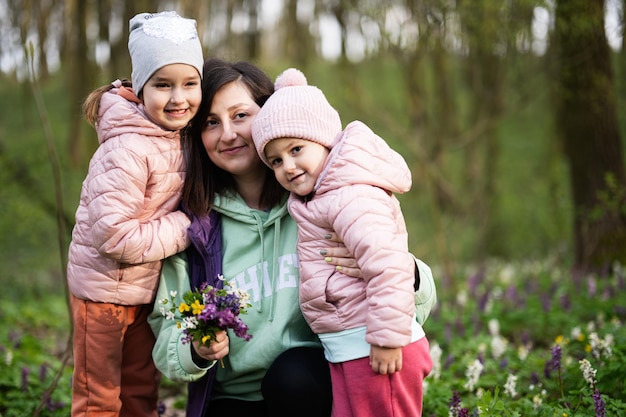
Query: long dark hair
(204, 179)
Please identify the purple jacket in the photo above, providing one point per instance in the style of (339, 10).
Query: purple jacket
(205, 260)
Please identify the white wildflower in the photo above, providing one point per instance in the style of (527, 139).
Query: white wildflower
(507, 273)
(577, 333)
(494, 327)
(498, 346)
(435, 355)
(189, 323)
(591, 327)
(522, 352)
(537, 401)
(510, 385)
(600, 347)
(173, 293)
(588, 372)
(461, 298)
(8, 357)
(473, 374)
(162, 310)
(170, 315)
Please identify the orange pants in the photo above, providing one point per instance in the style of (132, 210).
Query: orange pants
(114, 374)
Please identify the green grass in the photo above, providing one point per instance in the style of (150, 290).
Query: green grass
(509, 316)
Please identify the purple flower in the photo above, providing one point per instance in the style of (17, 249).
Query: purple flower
(43, 371)
(455, 401)
(556, 357)
(161, 408)
(598, 404)
(24, 381)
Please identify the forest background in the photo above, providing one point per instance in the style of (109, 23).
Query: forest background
(507, 112)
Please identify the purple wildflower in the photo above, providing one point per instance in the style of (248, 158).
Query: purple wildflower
(504, 363)
(455, 401)
(161, 408)
(449, 361)
(534, 378)
(482, 301)
(598, 404)
(43, 371)
(592, 287)
(545, 302)
(556, 357)
(24, 382)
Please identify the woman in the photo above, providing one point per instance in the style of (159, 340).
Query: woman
(281, 370)
(249, 237)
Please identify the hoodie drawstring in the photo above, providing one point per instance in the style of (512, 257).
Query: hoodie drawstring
(271, 263)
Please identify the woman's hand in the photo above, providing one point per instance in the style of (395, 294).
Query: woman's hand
(216, 350)
(341, 257)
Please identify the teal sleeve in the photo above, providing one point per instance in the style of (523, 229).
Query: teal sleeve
(171, 356)
(426, 295)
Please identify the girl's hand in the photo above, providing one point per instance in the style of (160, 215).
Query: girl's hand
(341, 257)
(216, 350)
(385, 360)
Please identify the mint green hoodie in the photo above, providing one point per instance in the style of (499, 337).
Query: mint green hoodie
(259, 252)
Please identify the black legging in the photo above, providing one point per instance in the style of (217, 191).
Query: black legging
(296, 384)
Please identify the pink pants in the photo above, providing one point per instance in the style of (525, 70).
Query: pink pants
(359, 392)
(114, 374)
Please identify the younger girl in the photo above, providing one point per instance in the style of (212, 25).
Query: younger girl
(343, 181)
(127, 220)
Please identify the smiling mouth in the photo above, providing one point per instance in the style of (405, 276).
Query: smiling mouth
(292, 179)
(177, 111)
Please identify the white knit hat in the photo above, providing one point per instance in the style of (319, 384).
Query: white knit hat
(160, 39)
(295, 110)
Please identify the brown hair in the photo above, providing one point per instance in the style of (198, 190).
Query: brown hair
(91, 105)
(204, 179)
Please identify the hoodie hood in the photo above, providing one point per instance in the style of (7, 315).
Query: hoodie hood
(370, 160)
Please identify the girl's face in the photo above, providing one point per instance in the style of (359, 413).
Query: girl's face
(297, 163)
(172, 95)
(227, 133)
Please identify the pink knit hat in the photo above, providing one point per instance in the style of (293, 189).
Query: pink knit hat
(295, 110)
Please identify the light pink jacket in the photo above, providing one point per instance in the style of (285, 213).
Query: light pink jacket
(127, 222)
(353, 197)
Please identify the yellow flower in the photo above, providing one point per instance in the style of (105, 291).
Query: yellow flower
(183, 307)
(588, 348)
(205, 338)
(196, 307)
(559, 339)
(581, 337)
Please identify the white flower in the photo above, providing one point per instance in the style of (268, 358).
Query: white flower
(522, 353)
(509, 386)
(576, 333)
(189, 323)
(170, 316)
(498, 346)
(537, 401)
(494, 327)
(8, 357)
(173, 293)
(472, 373)
(435, 355)
(588, 372)
(601, 347)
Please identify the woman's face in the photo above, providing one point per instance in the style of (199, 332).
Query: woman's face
(227, 133)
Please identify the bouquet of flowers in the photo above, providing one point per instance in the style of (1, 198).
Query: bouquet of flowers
(207, 310)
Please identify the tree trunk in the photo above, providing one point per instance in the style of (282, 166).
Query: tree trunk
(587, 121)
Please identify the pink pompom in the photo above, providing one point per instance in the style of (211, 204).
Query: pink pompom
(289, 78)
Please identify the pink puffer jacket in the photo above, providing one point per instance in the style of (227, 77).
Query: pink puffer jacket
(127, 222)
(353, 197)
